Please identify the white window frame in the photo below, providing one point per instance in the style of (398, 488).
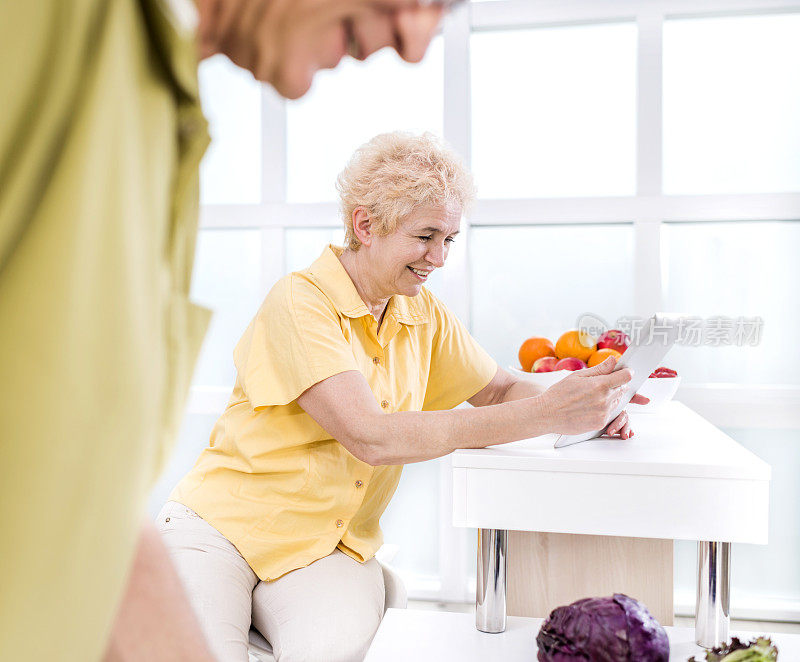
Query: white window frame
(728, 405)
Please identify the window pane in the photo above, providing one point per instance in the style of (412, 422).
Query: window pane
(304, 245)
(537, 281)
(554, 111)
(733, 270)
(731, 103)
(227, 279)
(231, 169)
(351, 104)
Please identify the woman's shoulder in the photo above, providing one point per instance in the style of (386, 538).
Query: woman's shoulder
(294, 291)
(431, 304)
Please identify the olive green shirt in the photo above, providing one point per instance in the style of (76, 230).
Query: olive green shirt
(101, 135)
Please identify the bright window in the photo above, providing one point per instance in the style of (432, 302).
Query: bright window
(304, 245)
(554, 111)
(227, 279)
(537, 281)
(231, 169)
(351, 104)
(731, 103)
(733, 270)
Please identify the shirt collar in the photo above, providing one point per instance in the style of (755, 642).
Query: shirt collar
(330, 276)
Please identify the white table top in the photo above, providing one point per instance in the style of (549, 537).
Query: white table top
(435, 636)
(678, 478)
(672, 441)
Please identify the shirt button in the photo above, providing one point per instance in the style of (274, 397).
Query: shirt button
(359, 483)
(384, 403)
(339, 524)
(376, 360)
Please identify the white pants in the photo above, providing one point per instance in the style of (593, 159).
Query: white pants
(328, 611)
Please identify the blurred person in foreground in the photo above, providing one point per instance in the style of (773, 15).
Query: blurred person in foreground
(350, 369)
(101, 135)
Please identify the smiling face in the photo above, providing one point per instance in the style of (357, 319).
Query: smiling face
(402, 262)
(284, 42)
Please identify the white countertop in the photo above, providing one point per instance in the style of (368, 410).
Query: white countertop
(679, 477)
(435, 636)
(672, 441)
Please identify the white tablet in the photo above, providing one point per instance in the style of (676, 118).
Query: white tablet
(646, 352)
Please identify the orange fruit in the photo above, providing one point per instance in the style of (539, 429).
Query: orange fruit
(532, 350)
(601, 355)
(576, 344)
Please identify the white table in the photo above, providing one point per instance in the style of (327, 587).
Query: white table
(679, 477)
(420, 636)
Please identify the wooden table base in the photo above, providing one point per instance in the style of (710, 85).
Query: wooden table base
(547, 570)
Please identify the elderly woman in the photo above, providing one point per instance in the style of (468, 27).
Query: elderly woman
(350, 369)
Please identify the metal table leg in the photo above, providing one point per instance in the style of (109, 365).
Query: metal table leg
(712, 621)
(490, 602)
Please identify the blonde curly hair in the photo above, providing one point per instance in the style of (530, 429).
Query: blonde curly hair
(395, 173)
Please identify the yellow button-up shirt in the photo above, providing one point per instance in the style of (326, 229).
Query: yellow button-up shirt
(272, 480)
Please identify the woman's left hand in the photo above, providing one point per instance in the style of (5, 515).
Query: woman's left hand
(621, 424)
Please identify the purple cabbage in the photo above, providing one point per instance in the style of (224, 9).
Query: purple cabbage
(611, 629)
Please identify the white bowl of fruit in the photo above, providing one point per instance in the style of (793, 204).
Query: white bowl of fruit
(545, 363)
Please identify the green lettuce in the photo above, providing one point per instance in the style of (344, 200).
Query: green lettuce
(760, 649)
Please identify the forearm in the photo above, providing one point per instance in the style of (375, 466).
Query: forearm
(522, 389)
(406, 437)
(155, 620)
(505, 410)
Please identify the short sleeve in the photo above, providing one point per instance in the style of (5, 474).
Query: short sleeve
(460, 367)
(295, 341)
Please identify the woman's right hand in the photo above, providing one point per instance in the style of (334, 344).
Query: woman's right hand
(585, 400)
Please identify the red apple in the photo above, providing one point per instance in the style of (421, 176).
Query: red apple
(614, 339)
(545, 364)
(570, 363)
